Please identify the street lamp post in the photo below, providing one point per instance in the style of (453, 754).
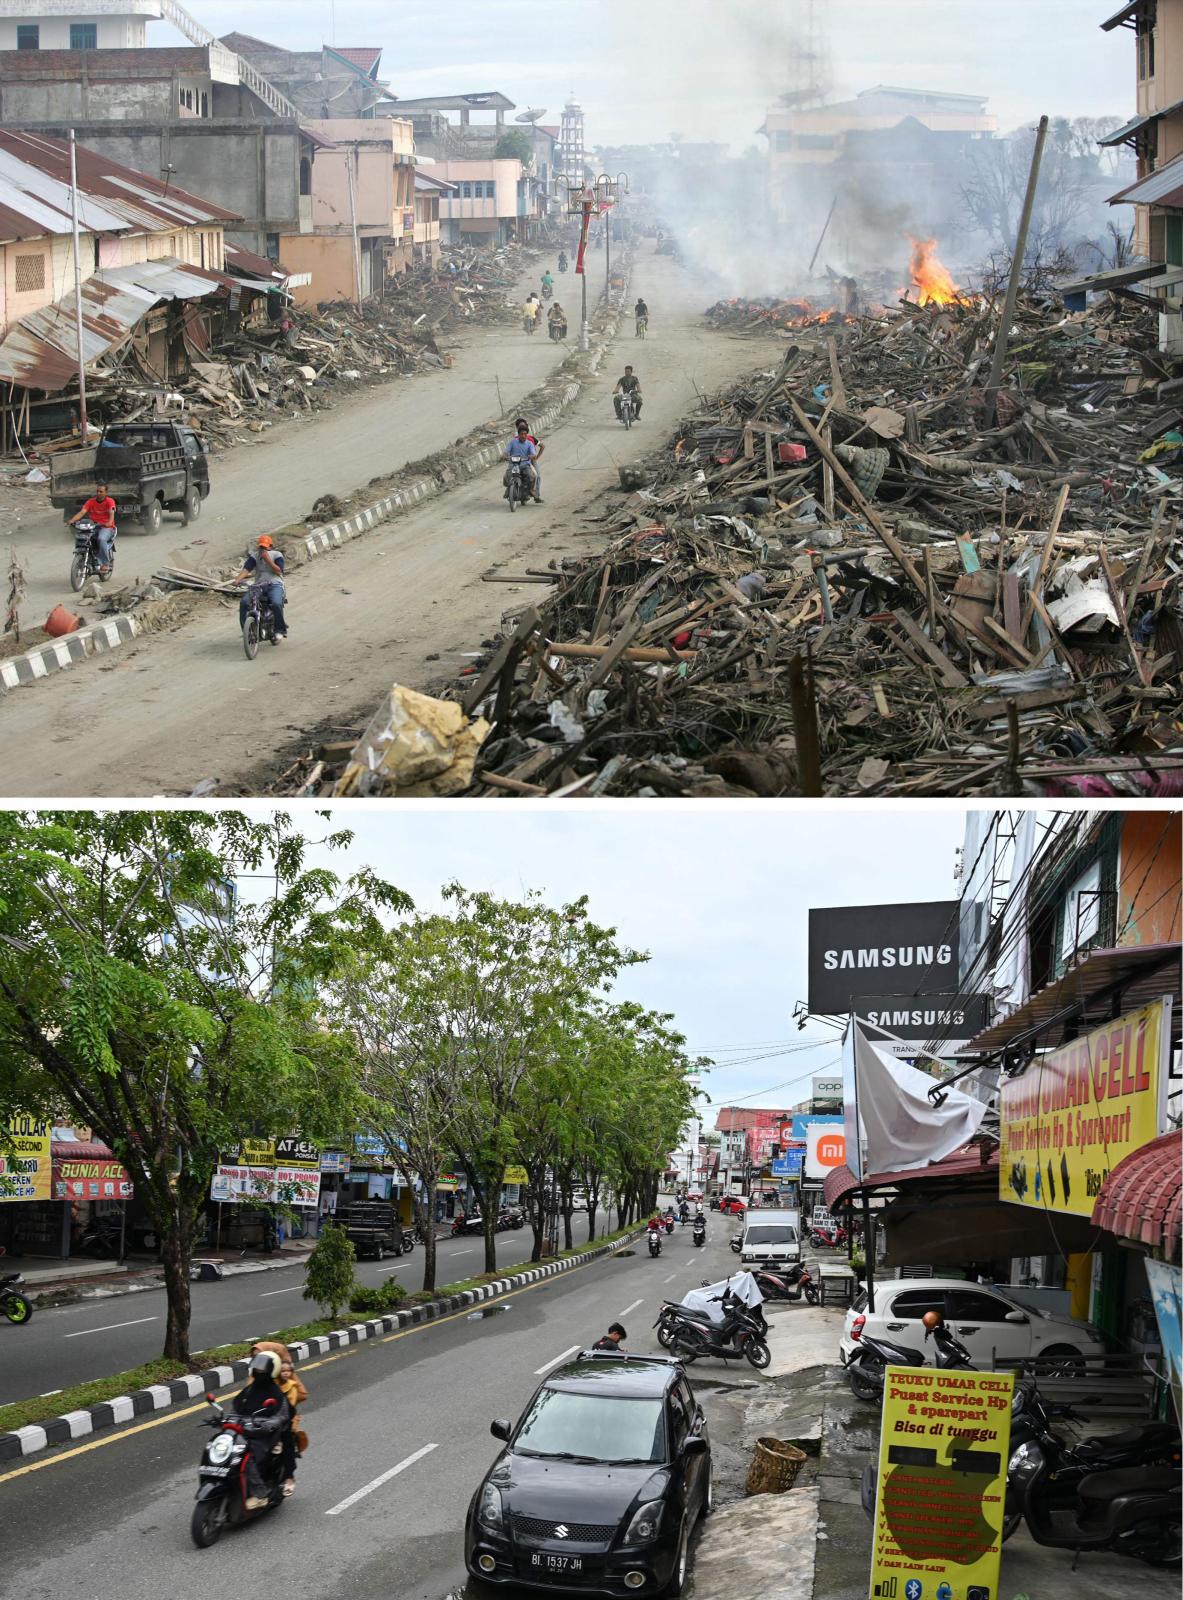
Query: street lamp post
(608, 192)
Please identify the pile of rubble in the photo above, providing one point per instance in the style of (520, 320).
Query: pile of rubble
(856, 580)
(757, 316)
(303, 360)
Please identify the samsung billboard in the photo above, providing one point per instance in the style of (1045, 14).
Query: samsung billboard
(903, 950)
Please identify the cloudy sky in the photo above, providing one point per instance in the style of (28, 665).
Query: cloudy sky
(718, 897)
(709, 69)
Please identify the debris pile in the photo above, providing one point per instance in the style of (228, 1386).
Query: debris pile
(862, 578)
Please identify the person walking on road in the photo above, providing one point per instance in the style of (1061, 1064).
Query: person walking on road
(613, 1339)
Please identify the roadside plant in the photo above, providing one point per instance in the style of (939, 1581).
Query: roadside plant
(330, 1279)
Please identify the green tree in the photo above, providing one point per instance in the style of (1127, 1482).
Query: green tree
(330, 1278)
(160, 974)
(514, 145)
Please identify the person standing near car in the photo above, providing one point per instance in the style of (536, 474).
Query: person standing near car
(613, 1339)
(100, 508)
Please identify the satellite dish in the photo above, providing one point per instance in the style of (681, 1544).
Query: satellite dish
(535, 114)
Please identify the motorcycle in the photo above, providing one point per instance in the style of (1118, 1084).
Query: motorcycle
(715, 1203)
(692, 1335)
(86, 555)
(669, 1224)
(642, 327)
(548, 290)
(14, 1305)
(509, 1218)
(866, 1368)
(827, 1238)
(518, 489)
(259, 623)
(222, 1491)
(793, 1284)
(557, 328)
(1131, 1511)
(700, 1233)
(628, 409)
(562, 263)
(461, 1225)
(654, 1242)
(529, 321)
(736, 1241)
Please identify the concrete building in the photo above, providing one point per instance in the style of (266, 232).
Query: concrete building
(493, 201)
(429, 190)
(363, 210)
(76, 24)
(324, 83)
(1155, 131)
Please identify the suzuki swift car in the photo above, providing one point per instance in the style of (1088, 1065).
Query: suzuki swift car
(983, 1317)
(599, 1485)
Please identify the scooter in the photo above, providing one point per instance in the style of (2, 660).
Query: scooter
(562, 263)
(654, 1242)
(222, 1491)
(14, 1306)
(669, 1224)
(795, 1283)
(827, 1238)
(1132, 1511)
(866, 1368)
(739, 1337)
(700, 1233)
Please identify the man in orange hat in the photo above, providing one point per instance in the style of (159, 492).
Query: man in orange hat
(266, 569)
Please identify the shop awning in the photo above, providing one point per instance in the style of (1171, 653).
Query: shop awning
(1127, 15)
(1131, 976)
(1163, 187)
(88, 1171)
(1142, 1198)
(964, 1163)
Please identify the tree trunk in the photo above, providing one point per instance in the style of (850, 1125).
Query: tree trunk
(568, 1217)
(429, 1239)
(176, 1250)
(489, 1218)
(591, 1217)
(537, 1208)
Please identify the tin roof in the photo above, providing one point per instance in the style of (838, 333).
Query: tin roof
(112, 198)
(1163, 187)
(241, 260)
(366, 60)
(41, 350)
(1142, 1198)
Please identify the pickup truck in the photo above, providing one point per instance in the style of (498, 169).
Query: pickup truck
(149, 468)
(374, 1228)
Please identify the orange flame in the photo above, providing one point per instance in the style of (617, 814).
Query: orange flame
(931, 276)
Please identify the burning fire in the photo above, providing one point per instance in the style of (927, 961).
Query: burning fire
(931, 276)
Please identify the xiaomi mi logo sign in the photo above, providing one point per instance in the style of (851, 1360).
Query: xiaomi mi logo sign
(831, 1149)
(825, 1149)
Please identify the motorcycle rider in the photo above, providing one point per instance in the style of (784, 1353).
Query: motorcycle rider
(531, 312)
(641, 313)
(556, 314)
(562, 261)
(520, 422)
(100, 508)
(548, 284)
(629, 383)
(262, 1393)
(522, 448)
(267, 568)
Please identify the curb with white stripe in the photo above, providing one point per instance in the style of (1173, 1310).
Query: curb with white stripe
(179, 1391)
(64, 652)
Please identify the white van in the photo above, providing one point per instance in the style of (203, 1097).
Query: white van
(771, 1240)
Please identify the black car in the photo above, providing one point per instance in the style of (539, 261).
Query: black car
(600, 1483)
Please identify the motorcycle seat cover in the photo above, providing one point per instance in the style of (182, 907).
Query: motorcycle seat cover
(1158, 1433)
(895, 1355)
(1123, 1482)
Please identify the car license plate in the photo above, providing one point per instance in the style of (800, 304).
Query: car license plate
(556, 1563)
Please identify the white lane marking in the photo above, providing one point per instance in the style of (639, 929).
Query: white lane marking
(270, 1292)
(464, 1252)
(574, 1351)
(633, 1307)
(376, 1483)
(109, 1327)
(382, 1271)
(48, 1392)
(671, 1278)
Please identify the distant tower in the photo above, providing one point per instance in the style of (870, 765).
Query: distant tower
(809, 73)
(570, 155)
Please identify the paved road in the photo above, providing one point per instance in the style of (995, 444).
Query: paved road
(111, 1516)
(275, 477)
(403, 604)
(73, 1344)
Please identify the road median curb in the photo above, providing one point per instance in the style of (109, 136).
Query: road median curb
(96, 637)
(27, 1441)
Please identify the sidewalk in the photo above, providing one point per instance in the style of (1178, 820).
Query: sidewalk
(53, 1282)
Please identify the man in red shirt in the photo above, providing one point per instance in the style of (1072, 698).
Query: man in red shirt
(100, 508)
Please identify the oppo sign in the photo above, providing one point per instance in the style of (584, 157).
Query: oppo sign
(825, 1148)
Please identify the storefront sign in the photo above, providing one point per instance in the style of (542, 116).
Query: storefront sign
(91, 1180)
(802, 1124)
(825, 1149)
(788, 1165)
(408, 224)
(943, 1452)
(251, 1185)
(334, 1161)
(24, 1159)
(1166, 1290)
(1075, 1112)
(936, 1017)
(829, 1089)
(517, 1175)
(860, 950)
(297, 1152)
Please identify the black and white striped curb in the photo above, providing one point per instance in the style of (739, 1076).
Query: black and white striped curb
(179, 1391)
(64, 652)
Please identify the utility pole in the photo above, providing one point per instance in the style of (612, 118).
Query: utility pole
(1016, 275)
(350, 158)
(82, 423)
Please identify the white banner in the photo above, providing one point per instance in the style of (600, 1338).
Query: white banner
(294, 1186)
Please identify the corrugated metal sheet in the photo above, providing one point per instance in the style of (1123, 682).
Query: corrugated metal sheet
(41, 351)
(112, 198)
(1163, 187)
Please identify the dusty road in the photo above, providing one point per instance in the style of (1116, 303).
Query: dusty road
(161, 715)
(276, 477)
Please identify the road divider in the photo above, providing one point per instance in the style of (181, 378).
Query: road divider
(70, 1425)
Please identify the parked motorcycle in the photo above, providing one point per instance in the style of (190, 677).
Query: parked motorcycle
(222, 1490)
(14, 1305)
(795, 1283)
(654, 1242)
(1132, 1511)
(866, 1368)
(86, 554)
(828, 1238)
(691, 1335)
(474, 1224)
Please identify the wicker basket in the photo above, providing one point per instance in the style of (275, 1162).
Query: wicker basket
(774, 1467)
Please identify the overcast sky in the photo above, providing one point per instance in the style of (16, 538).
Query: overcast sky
(709, 69)
(718, 897)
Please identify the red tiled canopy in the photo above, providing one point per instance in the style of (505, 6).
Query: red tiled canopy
(1142, 1198)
